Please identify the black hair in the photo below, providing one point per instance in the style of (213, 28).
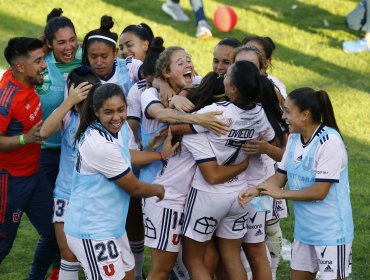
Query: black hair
(21, 46)
(94, 101)
(210, 90)
(106, 24)
(317, 102)
(155, 49)
(82, 74)
(266, 42)
(54, 22)
(231, 42)
(142, 30)
(254, 87)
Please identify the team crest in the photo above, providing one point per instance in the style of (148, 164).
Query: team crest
(17, 216)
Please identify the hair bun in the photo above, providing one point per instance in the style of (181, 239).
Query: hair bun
(157, 44)
(106, 23)
(56, 12)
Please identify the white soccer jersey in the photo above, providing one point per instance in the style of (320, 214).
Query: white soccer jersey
(148, 97)
(99, 153)
(279, 84)
(246, 124)
(134, 100)
(178, 170)
(133, 68)
(329, 153)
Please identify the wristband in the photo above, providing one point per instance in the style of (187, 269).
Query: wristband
(160, 154)
(21, 139)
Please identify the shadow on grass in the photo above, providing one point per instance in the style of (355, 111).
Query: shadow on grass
(297, 18)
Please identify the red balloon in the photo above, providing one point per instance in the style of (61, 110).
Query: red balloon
(225, 18)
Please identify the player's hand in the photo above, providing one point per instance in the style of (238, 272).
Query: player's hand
(161, 192)
(256, 147)
(213, 123)
(168, 148)
(245, 196)
(181, 103)
(166, 92)
(79, 93)
(157, 139)
(33, 135)
(270, 189)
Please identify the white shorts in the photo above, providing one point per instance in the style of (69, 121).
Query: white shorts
(256, 225)
(60, 210)
(103, 258)
(333, 262)
(206, 213)
(279, 210)
(162, 227)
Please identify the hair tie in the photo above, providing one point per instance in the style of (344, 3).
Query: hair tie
(102, 37)
(216, 96)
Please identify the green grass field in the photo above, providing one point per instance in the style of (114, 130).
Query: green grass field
(308, 54)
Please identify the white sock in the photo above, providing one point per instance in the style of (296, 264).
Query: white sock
(137, 249)
(68, 270)
(273, 242)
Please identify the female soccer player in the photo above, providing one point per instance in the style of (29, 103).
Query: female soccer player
(211, 209)
(135, 41)
(66, 119)
(315, 165)
(223, 55)
(270, 155)
(99, 52)
(102, 184)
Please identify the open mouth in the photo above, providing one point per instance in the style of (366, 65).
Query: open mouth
(116, 125)
(188, 77)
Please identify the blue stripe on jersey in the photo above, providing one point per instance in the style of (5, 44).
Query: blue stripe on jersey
(205, 160)
(120, 175)
(141, 84)
(189, 208)
(327, 180)
(15, 128)
(6, 98)
(223, 103)
(105, 135)
(281, 171)
(89, 252)
(129, 60)
(147, 107)
(193, 129)
(133, 118)
(165, 229)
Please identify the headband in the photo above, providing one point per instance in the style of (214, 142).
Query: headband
(102, 37)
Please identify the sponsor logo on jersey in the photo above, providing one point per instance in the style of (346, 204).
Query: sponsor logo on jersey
(258, 233)
(323, 252)
(244, 133)
(32, 116)
(253, 218)
(328, 269)
(325, 262)
(254, 226)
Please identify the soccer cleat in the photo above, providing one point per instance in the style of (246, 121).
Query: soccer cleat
(360, 45)
(203, 30)
(174, 10)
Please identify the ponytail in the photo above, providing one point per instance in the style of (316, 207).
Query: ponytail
(270, 103)
(317, 102)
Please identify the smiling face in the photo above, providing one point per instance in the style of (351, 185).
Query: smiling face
(31, 68)
(293, 116)
(132, 45)
(101, 58)
(64, 45)
(180, 70)
(112, 114)
(222, 58)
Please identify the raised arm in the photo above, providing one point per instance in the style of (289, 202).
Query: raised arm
(208, 120)
(53, 122)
